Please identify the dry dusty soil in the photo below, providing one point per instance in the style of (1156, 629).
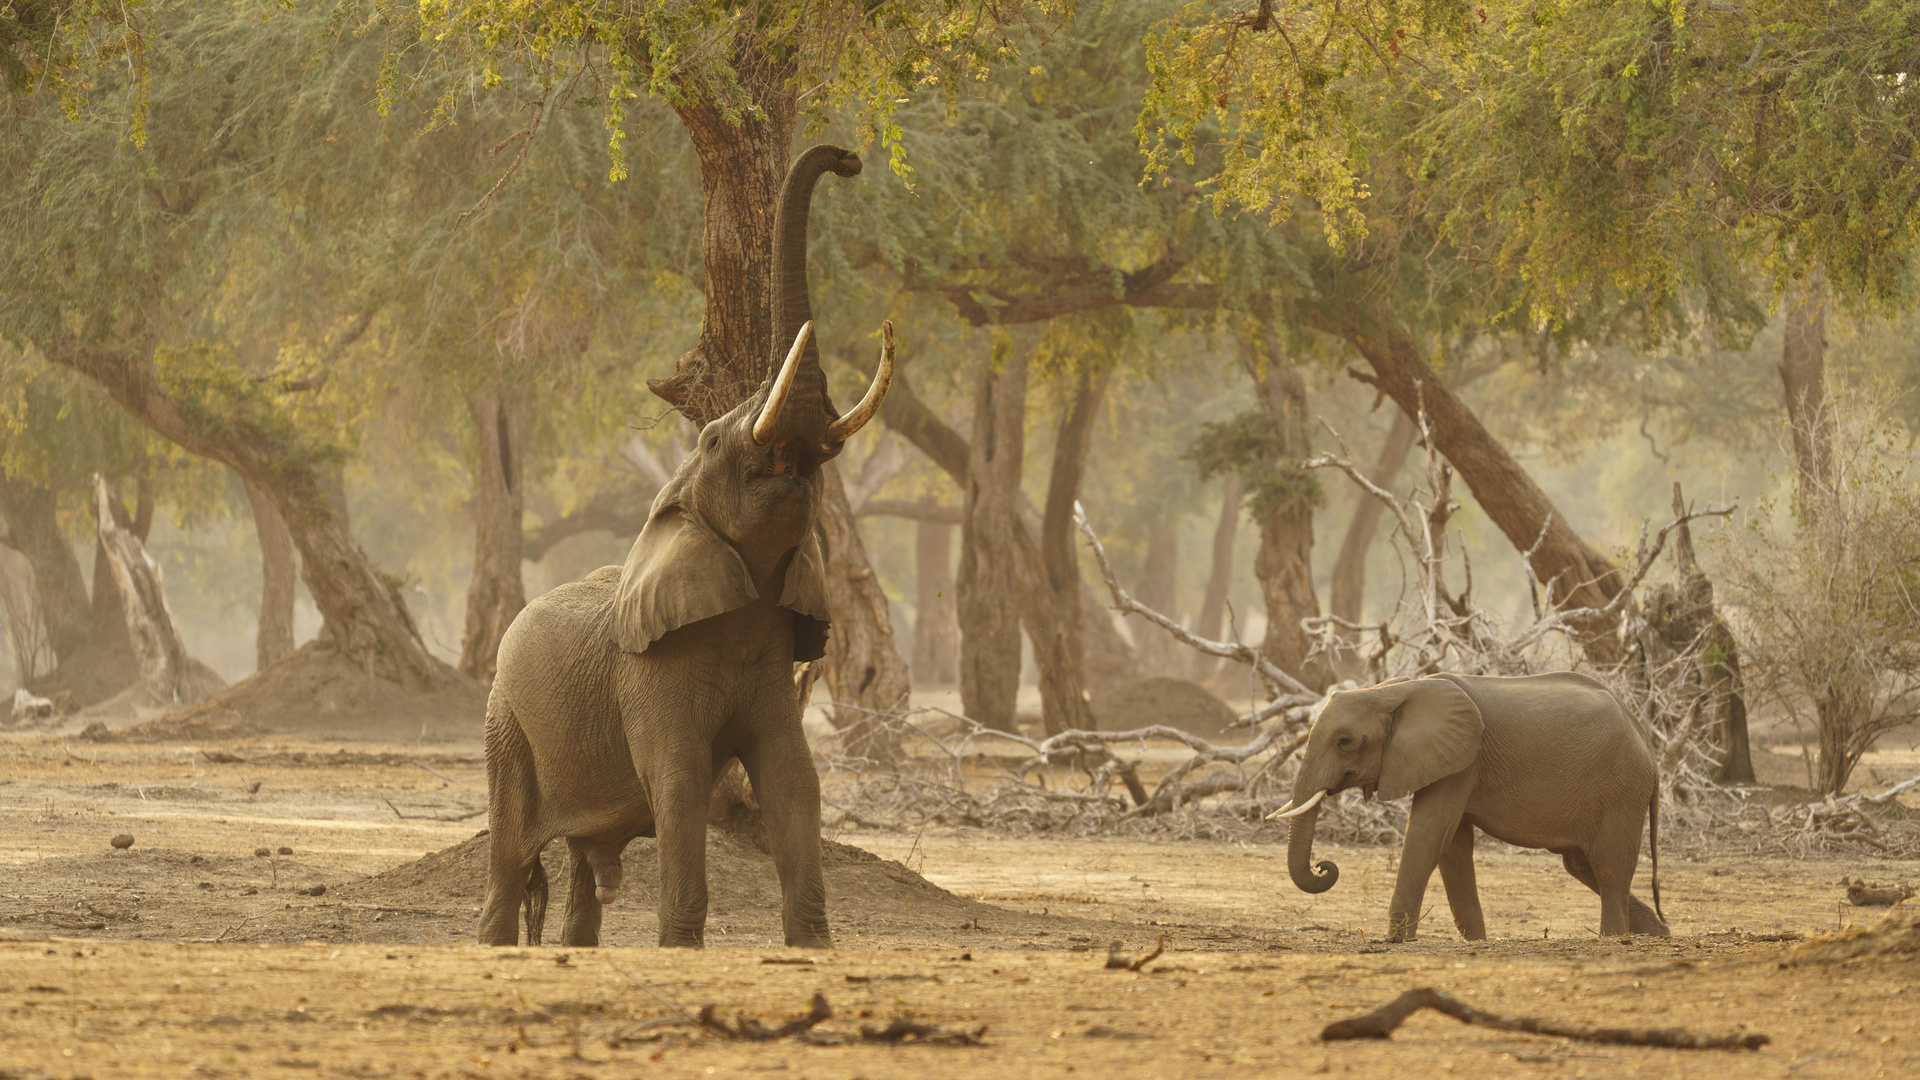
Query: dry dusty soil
(190, 955)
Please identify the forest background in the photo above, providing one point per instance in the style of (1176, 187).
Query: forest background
(374, 295)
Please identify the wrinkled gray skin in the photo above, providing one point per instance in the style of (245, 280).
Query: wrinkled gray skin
(619, 698)
(1540, 761)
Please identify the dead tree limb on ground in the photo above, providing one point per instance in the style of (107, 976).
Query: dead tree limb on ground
(1379, 1024)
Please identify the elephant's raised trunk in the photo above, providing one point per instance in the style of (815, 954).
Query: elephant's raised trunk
(1312, 879)
(792, 308)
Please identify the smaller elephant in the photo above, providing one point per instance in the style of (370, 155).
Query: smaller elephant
(1541, 761)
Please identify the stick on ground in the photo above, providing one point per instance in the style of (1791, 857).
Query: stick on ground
(1379, 1024)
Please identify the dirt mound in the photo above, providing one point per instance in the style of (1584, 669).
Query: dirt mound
(318, 692)
(1897, 935)
(1161, 700)
(867, 896)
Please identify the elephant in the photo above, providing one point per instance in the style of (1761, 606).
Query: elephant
(619, 699)
(1541, 761)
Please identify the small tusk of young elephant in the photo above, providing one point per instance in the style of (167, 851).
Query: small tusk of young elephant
(1283, 812)
(842, 429)
(782, 386)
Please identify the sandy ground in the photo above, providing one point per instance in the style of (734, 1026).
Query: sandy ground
(191, 955)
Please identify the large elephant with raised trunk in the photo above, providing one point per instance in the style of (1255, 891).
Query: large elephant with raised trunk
(620, 698)
(1541, 761)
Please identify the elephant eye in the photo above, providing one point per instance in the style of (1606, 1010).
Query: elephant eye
(1346, 742)
(713, 441)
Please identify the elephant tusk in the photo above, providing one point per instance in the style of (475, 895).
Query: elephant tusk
(782, 386)
(842, 429)
(1283, 812)
(1280, 811)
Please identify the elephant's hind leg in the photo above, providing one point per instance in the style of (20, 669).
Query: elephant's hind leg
(514, 874)
(1463, 892)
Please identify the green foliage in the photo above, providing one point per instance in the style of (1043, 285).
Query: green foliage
(1289, 87)
(869, 57)
(61, 46)
(1574, 157)
(1250, 445)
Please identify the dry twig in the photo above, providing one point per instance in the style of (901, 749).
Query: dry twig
(1379, 1024)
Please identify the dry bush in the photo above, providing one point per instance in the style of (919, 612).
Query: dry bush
(1828, 591)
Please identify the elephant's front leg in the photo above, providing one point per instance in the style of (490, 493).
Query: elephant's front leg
(1431, 826)
(780, 767)
(679, 798)
(1463, 893)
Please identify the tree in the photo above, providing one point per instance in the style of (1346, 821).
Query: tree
(734, 78)
(1531, 155)
(1825, 588)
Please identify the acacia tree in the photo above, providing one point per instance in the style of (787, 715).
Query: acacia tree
(1039, 233)
(187, 276)
(735, 76)
(1524, 161)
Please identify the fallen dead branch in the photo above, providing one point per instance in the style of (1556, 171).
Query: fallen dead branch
(751, 1030)
(1118, 962)
(1379, 1024)
(1864, 894)
(900, 1030)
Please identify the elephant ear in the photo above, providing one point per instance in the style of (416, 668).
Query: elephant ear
(805, 594)
(1436, 733)
(678, 572)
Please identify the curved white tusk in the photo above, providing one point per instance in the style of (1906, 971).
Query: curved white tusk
(1280, 811)
(842, 429)
(1283, 812)
(782, 386)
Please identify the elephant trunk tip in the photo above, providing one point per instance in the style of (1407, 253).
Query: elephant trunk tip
(1322, 877)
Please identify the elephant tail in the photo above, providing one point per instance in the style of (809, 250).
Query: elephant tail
(1653, 847)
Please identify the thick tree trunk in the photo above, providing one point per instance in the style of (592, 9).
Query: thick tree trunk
(495, 593)
(864, 671)
(1284, 563)
(1109, 659)
(165, 670)
(274, 638)
(1347, 596)
(1213, 603)
(742, 167)
(1578, 574)
(987, 589)
(365, 617)
(936, 632)
(1803, 376)
(1058, 644)
(34, 531)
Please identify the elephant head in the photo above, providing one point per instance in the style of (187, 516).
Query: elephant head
(1390, 740)
(750, 489)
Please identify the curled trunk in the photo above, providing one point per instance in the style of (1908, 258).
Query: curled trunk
(1308, 876)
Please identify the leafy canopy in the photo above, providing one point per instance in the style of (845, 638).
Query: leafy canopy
(869, 55)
